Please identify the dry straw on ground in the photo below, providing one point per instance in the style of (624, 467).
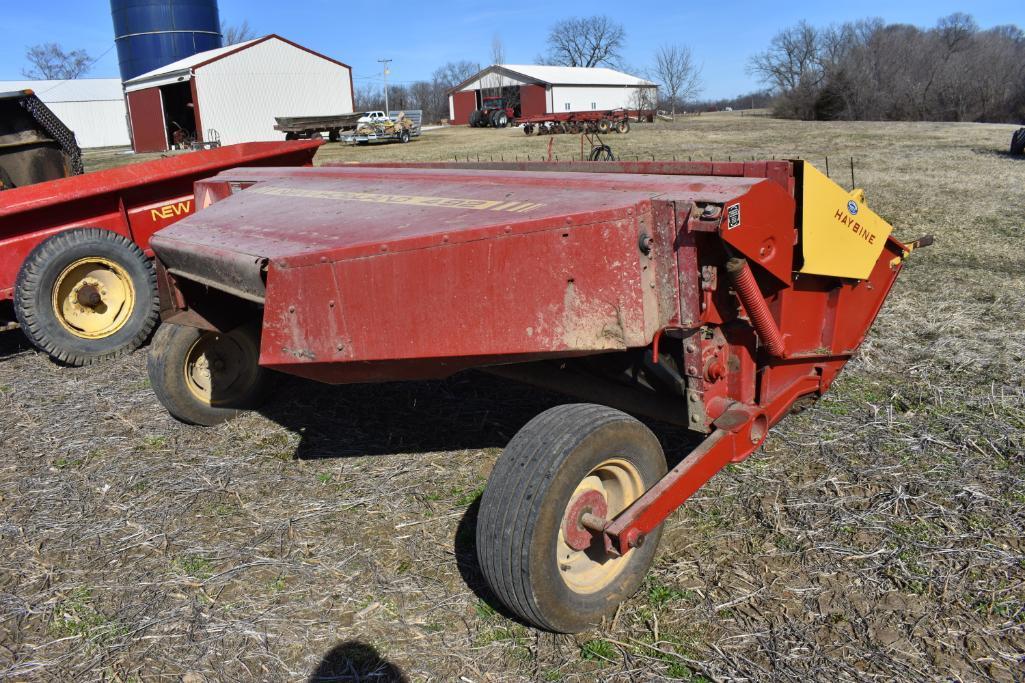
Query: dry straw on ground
(876, 536)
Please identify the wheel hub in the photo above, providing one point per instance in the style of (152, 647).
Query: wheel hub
(591, 502)
(93, 298)
(608, 489)
(220, 368)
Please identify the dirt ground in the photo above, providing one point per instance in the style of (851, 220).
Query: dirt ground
(877, 536)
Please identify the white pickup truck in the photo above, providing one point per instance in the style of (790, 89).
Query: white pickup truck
(374, 117)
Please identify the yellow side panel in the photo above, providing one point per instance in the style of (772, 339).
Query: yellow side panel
(840, 235)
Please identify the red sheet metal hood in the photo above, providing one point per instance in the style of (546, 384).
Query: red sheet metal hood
(306, 215)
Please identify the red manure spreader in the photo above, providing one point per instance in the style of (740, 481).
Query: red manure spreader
(718, 296)
(75, 269)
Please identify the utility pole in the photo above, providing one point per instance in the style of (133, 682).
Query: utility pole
(384, 72)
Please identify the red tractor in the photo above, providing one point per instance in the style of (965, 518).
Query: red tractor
(494, 113)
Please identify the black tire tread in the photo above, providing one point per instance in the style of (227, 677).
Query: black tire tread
(1018, 142)
(28, 281)
(507, 513)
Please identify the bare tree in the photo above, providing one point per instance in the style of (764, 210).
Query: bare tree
(497, 50)
(237, 33)
(585, 41)
(872, 70)
(453, 73)
(676, 71)
(50, 62)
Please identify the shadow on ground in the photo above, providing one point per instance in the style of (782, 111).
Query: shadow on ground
(472, 410)
(12, 342)
(469, 411)
(353, 661)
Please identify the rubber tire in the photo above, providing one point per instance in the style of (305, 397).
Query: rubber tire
(604, 126)
(528, 129)
(404, 136)
(165, 366)
(623, 127)
(523, 502)
(501, 119)
(334, 135)
(291, 136)
(33, 290)
(475, 118)
(1018, 142)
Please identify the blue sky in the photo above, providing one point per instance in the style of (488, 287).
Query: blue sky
(722, 35)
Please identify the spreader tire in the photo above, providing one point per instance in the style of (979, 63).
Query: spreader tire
(205, 378)
(475, 118)
(86, 295)
(623, 126)
(1018, 142)
(553, 460)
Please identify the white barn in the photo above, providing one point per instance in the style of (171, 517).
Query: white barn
(235, 92)
(541, 89)
(94, 108)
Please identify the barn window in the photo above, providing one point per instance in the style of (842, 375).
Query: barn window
(567, 106)
(594, 105)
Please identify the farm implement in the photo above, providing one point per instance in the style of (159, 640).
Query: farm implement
(613, 120)
(717, 296)
(1018, 142)
(75, 271)
(35, 146)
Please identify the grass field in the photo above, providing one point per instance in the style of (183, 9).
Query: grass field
(879, 535)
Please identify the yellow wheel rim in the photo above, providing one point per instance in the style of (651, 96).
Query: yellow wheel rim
(592, 570)
(221, 369)
(93, 298)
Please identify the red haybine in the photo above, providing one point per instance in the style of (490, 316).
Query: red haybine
(716, 296)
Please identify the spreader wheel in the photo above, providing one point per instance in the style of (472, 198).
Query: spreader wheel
(528, 129)
(1018, 142)
(204, 377)
(86, 295)
(534, 550)
(604, 126)
(623, 126)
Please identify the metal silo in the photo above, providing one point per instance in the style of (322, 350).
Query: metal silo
(153, 33)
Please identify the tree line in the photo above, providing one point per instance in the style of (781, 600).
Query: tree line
(871, 70)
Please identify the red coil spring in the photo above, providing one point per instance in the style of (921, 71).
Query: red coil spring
(754, 303)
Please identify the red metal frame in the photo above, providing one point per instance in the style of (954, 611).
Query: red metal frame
(613, 115)
(134, 201)
(422, 270)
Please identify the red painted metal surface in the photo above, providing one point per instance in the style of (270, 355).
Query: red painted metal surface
(384, 272)
(533, 100)
(463, 104)
(587, 116)
(146, 111)
(134, 200)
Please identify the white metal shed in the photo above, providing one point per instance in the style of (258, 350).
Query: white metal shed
(94, 108)
(235, 93)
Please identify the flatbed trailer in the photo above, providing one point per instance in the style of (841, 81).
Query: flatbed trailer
(75, 270)
(717, 296)
(617, 120)
(305, 127)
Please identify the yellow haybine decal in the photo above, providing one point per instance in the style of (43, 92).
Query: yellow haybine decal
(840, 235)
